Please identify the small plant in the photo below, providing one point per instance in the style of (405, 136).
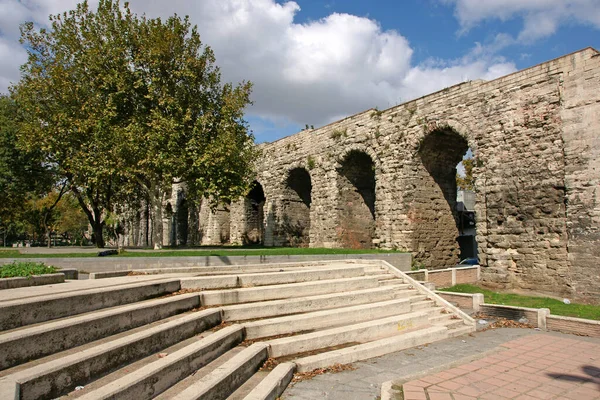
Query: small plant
(376, 113)
(377, 133)
(310, 162)
(25, 269)
(339, 133)
(416, 265)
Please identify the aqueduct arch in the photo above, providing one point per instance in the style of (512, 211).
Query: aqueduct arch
(436, 213)
(294, 225)
(356, 200)
(538, 173)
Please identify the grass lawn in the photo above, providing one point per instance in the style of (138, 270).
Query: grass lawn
(221, 252)
(557, 307)
(25, 269)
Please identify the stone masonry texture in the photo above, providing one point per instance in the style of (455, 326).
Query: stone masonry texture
(386, 179)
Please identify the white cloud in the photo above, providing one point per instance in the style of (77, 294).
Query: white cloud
(541, 18)
(310, 73)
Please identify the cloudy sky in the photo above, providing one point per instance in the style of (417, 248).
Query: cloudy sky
(315, 61)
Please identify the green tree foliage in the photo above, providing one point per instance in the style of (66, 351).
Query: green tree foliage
(120, 102)
(23, 174)
(466, 182)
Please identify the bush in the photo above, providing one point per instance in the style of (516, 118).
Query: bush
(25, 269)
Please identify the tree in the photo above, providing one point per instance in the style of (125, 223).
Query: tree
(120, 102)
(23, 174)
(466, 182)
(72, 224)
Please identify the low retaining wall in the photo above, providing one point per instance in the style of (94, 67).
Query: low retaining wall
(578, 326)
(34, 280)
(401, 261)
(463, 300)
(447, 277)
(537, 317)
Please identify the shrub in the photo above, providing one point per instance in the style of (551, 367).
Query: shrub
(25, 269)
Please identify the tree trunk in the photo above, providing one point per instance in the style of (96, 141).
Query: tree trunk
(157, 222)
(98, 229)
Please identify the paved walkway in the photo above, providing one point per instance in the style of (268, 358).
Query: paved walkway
(530, 368)
(494, 364)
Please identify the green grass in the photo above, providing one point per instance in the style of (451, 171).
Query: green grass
(220, 252)
(557, 307)
(25, 269)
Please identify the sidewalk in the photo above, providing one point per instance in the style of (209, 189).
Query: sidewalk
(530, 368)
(497, 363)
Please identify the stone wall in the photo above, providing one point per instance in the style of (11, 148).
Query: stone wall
(537, 169)
(387, 179)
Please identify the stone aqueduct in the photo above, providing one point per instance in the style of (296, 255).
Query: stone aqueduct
(387, 179)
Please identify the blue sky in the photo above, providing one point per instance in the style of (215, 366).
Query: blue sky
(316, 61)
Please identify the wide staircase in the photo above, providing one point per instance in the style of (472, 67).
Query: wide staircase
(224, 333)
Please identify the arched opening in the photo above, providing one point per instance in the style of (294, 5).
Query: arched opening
(182, 222)
(214, 223)
(439, 222)
(169, 226)
(294, 227)
(465, 206)
(254, 215)
(356, 185)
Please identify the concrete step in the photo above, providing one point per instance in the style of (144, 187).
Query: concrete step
(418, 297)
(273, 385)
(447, 320)
(357, 333)
(250, 268)
(34, 341)
(382, 277)
(248, 386)
(60, 374)
(158, 376)
(462, 330)
(133, 367)
(372, 349)
(190, 380)
(272, 292)
(271, 278)
(420, 305)
(326, 318)
(375, 270)
(224, 380)
(273, 308)
(393, 281)
(20, 312)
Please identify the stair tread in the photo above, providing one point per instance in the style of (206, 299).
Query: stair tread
(380, 314)
(199, 375)
(246, 388)
(90, 345)
(311, 300)
(41, 327)
(132, 367)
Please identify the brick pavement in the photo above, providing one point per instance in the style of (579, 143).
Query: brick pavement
(533, 367)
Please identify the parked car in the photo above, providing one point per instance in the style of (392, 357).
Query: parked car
(468, 261)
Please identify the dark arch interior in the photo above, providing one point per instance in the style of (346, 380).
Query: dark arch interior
(299, 181)
(256, 194)
(254, 205)
(356, 184)
(438, 218)
(440, 152)
(294, 226)
(182, 222)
